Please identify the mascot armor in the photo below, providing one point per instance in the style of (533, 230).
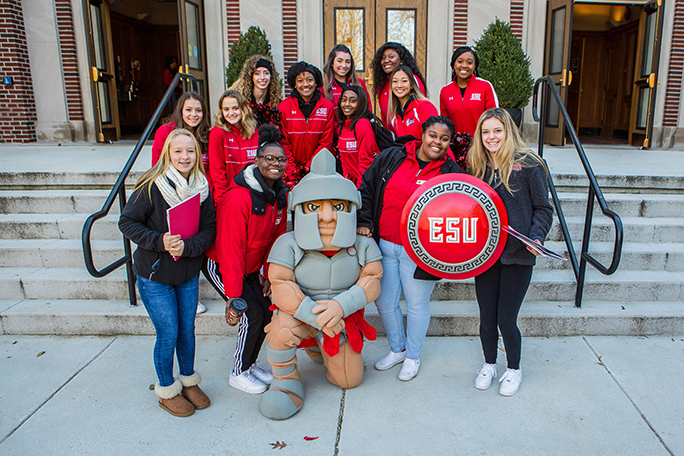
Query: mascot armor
(322, 276)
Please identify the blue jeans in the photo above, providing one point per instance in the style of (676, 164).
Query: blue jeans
(172, 309)
(397, 275)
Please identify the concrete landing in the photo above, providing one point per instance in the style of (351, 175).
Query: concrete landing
(580, 395)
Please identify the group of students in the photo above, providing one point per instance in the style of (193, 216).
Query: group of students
(261, 146)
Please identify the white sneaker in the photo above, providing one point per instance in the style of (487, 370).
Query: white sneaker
(409, 370)
(247, 383)
(201, 308)
(263, 376)
(485, 376)
(390, 360)
(510, 382)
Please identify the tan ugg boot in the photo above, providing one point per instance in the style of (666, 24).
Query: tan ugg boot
(192, 392)
(171, 400)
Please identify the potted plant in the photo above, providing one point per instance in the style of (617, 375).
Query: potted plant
(504, 63)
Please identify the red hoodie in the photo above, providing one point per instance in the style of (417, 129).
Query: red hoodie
(405, 180)
(357, 149)
(465, 111)
(303, 138)
(244, 238)
(415, 113)
(229, 152)
(383, 97)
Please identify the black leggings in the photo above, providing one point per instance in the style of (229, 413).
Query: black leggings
(251, 332)
(500, 292)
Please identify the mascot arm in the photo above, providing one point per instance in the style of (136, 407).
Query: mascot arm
(365, 291)
(286, 293)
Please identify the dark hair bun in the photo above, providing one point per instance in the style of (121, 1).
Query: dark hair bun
(269, 133)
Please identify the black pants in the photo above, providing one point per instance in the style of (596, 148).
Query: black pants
(251, 333)
(500, 292)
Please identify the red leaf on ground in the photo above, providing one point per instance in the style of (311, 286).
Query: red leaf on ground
(306, 437)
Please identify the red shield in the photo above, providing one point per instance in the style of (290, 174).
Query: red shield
(452, 226)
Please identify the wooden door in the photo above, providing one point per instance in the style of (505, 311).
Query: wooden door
(193, 47)
(103, 84)
(556, 59)
(646, 74)
(365, 25)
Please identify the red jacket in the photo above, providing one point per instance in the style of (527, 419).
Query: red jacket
(303, 138)
(245, 236)
(415, 113)
(383, 97)
(158, 144)
(405, 180)
(229, 152)
(357, 149)
(465, 111)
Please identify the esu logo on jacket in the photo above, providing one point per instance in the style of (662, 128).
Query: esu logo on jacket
(279, 217)
(476, 97)
(322, 112)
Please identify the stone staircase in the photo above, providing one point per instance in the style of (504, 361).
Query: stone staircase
(45, 288)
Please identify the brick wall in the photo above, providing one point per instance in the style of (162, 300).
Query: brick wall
(460, 23)
(289, 34)
(232, 21)
(17, 102)
(69, 58)
(517, 12)
(674, 72)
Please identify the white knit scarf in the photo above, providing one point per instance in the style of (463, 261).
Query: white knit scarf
(184, 189)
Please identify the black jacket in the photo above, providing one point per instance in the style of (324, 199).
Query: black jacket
(143, 221)
(528, 208)
(372, 189)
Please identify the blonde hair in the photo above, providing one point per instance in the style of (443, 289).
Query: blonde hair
(247, 124)
(245, 83)
(164, 162)
(393, 102)
(512, 152)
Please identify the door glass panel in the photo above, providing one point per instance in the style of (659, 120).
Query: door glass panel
(554, 111)
(98, 40)
(401, 27)
(642, 108)
(649, 43)
(350, 31)
(103, 95)
(557, 40)
(192, 18)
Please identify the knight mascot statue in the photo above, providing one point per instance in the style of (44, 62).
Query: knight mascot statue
(323, 275)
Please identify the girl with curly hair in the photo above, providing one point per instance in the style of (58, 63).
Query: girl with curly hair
(259, 83)
(387, 58)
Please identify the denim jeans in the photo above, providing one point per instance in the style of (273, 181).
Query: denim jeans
(172, 309)
(398, 270)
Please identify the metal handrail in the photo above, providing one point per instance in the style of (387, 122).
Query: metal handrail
(579, 268)
(119, 189)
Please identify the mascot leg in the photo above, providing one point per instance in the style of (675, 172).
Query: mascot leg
(315, 354)
(345, 369)
(286, 395)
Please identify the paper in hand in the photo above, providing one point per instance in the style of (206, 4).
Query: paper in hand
(543, 251)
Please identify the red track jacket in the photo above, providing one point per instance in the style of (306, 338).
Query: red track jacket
(357, 149)
(416, 112)
(465, 111)
(229, 152)
(383, 97)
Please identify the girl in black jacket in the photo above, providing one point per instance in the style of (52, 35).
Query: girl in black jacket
(500, 157)
(167, 267)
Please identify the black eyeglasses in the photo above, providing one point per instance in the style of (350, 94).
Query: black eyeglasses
(270, 159)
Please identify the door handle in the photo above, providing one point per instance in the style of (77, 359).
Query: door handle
(567, 76)
(651, 80)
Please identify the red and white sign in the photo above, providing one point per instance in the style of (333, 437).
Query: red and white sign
(452, 226)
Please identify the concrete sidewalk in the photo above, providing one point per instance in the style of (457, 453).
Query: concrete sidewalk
(580, 395)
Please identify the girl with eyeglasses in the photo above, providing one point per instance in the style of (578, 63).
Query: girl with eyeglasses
(232, 143)
(257, 199)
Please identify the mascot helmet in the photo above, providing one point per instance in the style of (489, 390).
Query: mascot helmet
(323, 183)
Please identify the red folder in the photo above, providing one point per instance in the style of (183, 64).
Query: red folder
(183, 218)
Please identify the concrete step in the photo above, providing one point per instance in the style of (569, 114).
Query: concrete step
(547, 285)
(56, 226)
(53, 201)
(626, 204)
(41, 180)
(449, 318)
(635, 256)
(636, 229)
(620, 183)
(48, 253)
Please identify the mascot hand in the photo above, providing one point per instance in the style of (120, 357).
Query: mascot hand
(330, 316)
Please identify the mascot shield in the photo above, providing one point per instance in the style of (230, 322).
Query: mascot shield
(452, 226)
